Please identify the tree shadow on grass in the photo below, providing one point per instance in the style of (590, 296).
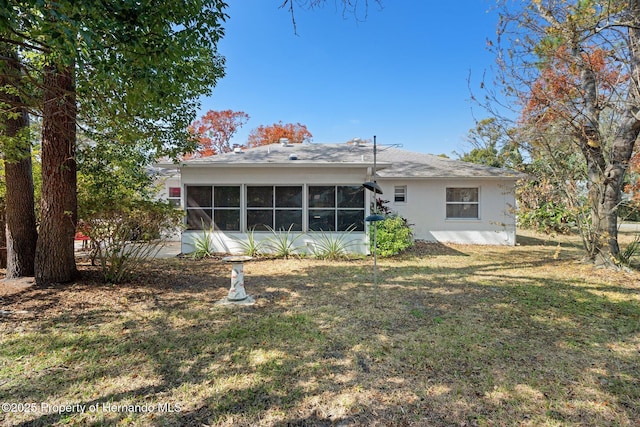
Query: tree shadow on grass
(545, 319)
(422, 248)
(187, 356)
(211, 348)
(455, 344)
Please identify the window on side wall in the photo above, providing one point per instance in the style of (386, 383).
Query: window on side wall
(275, 206)
(174, 196)
(217, 206)
(400, 194)
(462, 203)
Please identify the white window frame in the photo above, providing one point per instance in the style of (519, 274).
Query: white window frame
(463, 203)
(244, 209)
(212, 207)
(274, 208)
(175, 200)
(400, 190)
(335, 208)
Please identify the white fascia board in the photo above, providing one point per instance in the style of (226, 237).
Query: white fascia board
(290, 164)
(447, 178)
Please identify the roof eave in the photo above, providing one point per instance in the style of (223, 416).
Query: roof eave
(289, 164)
(466, 177)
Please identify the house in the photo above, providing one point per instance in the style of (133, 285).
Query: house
(167, 183)
(317, 188)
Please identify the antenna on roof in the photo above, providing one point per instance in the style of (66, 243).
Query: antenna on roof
(373, 185)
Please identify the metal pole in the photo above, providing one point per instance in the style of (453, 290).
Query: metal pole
(374, 159)
(375, 263)
(375, 228)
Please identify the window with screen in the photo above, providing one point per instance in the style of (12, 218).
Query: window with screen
(462, 203)
(174, 196)
(276, 206)
(336, 207)
(217, 206)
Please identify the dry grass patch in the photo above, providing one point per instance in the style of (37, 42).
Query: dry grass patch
(456, 335)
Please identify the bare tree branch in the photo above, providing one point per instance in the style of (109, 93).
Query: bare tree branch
(348, 7)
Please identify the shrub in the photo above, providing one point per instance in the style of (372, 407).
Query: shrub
(547, 218)
(629, 211)
(393, 236)
(122, 237)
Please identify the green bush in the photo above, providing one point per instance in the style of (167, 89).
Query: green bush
(122, 237)
(394, 235)
(630, 251)
(547, 218)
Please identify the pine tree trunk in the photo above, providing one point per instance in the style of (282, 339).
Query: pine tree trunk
(20, 217)
(55, 258)
(20, 220)
(3, 238)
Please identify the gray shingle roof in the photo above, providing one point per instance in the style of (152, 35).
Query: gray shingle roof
(391, 162)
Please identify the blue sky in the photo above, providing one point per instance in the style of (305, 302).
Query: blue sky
(400, 74)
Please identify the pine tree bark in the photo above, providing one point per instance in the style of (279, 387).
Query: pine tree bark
(20, 219)
(55, 258)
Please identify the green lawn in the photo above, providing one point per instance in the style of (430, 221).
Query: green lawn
(454, 335)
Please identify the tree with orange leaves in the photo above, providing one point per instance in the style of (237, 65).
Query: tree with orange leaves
(559, 91)
(214, 131)
(264, 135)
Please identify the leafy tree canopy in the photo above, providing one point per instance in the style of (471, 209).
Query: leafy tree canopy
(264, 135)
(140, 67)
(215, 129)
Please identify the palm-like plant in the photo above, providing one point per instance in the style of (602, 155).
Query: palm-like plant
(282, 242)
(332, 246)
(250, 246)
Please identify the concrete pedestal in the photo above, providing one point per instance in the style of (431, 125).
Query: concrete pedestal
(237, 293)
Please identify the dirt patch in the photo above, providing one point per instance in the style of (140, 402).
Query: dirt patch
(14, 286)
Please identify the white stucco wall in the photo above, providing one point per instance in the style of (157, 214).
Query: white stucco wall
(276, 175)
(425, 207)
(163, 183)
(301, 243)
